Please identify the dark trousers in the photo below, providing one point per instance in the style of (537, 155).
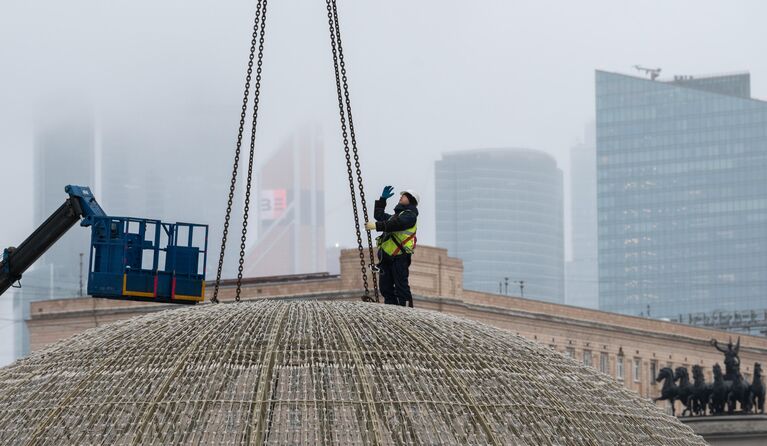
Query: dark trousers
(393, 280)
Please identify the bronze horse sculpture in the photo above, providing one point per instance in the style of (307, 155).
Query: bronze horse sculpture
(701, 393)
(757, 389)
(740, 392)
(670, 390)
(684, 389)
(720, 391)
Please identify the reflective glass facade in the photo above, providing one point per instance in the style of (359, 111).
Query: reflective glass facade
(582, 287)
(501, 212)
(681, 195)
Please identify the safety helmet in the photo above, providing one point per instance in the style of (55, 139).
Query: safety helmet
(413, 194)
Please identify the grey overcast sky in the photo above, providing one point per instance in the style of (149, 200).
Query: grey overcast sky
(427, 76)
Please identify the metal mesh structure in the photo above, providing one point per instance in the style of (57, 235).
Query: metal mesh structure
(311, 372)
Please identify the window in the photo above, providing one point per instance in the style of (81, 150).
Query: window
(653, 371)
(604, 362)
(587, 358)
(570, 352)
(637, 369)
(619, 367)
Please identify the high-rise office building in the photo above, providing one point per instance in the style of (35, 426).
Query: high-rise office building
(63, 154)
(175, 170)
(63, 147)
(291, 210)
(581, 272)
(682, 195)
(501, 212)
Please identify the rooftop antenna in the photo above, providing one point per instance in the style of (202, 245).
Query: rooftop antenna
(652, 72)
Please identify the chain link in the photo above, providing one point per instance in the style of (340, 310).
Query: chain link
(345, 112)
(353, 135)
(257, 32)
(256, 98)
(345, 135)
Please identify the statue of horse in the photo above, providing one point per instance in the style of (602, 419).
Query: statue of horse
(684, 389)
(720, 391)
(740, 392)
(757, 389)
(669, 391)
(701, 392)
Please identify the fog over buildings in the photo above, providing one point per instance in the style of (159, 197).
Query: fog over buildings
(582, 287)
(158, 86)
(501, 211)
(426, 78)
(290, 200)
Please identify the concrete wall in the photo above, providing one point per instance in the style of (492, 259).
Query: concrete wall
(736, 430)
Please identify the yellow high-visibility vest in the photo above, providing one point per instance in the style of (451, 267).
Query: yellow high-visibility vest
(399, 242)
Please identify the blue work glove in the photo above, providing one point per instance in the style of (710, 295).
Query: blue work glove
(387, 193)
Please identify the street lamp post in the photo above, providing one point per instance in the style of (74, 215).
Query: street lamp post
(521, 284)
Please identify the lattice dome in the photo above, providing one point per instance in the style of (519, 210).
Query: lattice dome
(278, 372)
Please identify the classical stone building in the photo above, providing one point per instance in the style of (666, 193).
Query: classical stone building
(630, 349)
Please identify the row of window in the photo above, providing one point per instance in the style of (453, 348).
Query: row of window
(661, 190)
(704, 206)
(684, 259)
(674, 149)
(675, 218)
(742, 173)
(665, 164)
(604, 364)
(661, 136)
(665, 118)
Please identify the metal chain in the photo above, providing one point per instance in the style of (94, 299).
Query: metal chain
(342, 113)
(256, 97)
(344, 104)
(235, 168)
(352, 133)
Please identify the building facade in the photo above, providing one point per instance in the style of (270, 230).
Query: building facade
(290, 188)
(582, 278)
(501, 211)
(682, 195)
(630, 349)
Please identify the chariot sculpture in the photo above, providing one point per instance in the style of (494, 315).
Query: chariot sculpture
(729, 393)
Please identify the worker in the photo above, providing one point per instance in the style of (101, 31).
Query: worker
(395, 244)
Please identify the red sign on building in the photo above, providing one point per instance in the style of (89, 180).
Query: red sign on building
(273, 203)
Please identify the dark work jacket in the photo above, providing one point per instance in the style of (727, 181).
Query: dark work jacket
(404, 217)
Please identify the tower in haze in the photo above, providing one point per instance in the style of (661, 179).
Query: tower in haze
(682, 195)
(63, 153)
(291, 210)
(581, 271)
(501, 212)
(175, 167)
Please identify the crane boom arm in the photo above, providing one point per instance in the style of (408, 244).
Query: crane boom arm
(15, 261)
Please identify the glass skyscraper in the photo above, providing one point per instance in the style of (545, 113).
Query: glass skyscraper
(501, 212)
(681, 195)
(582, 286)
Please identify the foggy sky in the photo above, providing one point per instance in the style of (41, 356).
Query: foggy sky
(426, 77)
